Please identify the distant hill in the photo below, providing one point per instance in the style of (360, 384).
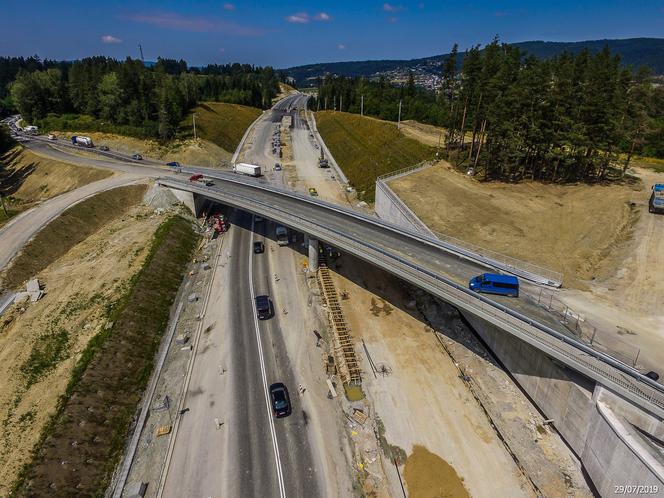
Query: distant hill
(634, 52)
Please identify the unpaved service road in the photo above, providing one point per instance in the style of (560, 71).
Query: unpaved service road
(15, 234)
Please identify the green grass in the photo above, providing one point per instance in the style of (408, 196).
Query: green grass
(220, 123)
(653, 163)
(49, 350)
(109, 377)
(366, 148)
(71, 227)
(5, 217)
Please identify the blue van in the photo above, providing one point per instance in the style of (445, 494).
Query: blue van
(492, 283)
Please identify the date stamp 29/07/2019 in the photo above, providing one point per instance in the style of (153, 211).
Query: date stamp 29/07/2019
(636, 489)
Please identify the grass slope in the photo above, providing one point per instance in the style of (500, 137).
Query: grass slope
(93, 417)
(27, 178)
(366, 148)
(68, 229)
(220, 123)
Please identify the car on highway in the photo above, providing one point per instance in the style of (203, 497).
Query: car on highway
(259, 247)
(137, 157)
(493, 283)
(313, 192)
(195, 178)
(280, 400)
(52, 137)
(264, 308)
(173, 164)
(104, 148)
(258, 219)
(277, 167)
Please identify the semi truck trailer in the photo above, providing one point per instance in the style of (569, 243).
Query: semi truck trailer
(247, 169)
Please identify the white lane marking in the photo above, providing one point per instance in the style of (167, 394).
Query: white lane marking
(277, 459)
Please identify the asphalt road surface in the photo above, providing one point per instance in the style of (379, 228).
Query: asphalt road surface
(252, 454)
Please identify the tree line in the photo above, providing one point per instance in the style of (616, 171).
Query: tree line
(149, 101)
(509, 115)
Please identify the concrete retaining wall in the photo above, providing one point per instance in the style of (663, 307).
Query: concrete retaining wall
(616, 454)
(562, 394)
(390, 208)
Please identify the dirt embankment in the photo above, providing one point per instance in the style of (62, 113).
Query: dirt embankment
(40, 343)
(26, 179)
(198, 152)
(579, 230)
(70, 228)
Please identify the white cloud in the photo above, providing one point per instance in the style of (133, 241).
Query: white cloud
(341, 46)
(229, 6)
(299, 18)
(388, 7)
(323, 16)
(110, 39)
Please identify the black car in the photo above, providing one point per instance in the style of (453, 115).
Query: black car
(264, 307)
(281, 405)
(259, 247)
(137, 157)
(104, 148)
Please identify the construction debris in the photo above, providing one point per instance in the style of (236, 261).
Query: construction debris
(33, 292)
(163, 430)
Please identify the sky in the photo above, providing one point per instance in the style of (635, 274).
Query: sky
(289, 33)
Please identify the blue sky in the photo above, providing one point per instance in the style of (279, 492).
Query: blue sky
(290, 33)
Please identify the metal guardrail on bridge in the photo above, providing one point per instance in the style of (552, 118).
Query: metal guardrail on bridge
(490, 258)
(595, 364)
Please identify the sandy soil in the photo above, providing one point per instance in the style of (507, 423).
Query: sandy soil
(578, 230)
(423, 386)
(194, 152)
(628, 302)
(433, 136)
(78, 288)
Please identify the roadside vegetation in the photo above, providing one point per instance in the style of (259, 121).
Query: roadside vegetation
(71, 227)
(221, 123)
(366, 148)
(27, 178)
(574, 117)
(81, 445)
(126, 98)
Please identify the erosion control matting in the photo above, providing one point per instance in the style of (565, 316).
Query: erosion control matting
(84, 441)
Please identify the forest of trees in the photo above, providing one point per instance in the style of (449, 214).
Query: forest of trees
(513, 116)
(151, 101)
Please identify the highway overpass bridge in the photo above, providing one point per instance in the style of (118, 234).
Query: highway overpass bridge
(428, 264)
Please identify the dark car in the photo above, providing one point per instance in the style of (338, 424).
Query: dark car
(263, 307)
(277, 167)
(281, 405)
(259, 247)
(104, 148)
(137, 157)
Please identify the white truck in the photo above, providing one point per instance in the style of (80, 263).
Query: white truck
(247, 169)
(282, 235)
(82, 141)
(31, 130)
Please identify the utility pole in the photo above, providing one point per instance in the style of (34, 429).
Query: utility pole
(141, 49)
(326, 103)
(399, 120)
(335, 102)
(341, 103)
(193, 118)
(362, 106)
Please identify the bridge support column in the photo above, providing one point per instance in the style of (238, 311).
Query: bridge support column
(313, 254)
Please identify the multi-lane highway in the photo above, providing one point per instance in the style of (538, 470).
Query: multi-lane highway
(256, 455)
